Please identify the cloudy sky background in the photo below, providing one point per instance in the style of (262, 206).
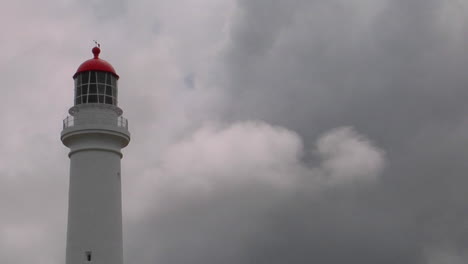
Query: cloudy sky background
(302, 131)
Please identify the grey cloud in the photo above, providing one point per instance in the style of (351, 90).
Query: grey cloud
(242, 194)
(108, 10)
(396, 70)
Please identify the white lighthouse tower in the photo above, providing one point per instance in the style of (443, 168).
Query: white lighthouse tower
(95, 132)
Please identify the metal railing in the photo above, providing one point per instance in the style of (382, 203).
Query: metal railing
(72, 121)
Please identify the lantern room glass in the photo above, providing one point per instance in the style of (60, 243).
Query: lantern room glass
(95, 87)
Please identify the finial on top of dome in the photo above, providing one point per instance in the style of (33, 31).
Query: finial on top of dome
(96, 50)
(96, 64)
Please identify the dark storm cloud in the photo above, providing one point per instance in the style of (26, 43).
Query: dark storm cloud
(252, 226)
(395, 70)
(265, 205)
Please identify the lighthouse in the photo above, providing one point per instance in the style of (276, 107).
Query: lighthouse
(95, 132)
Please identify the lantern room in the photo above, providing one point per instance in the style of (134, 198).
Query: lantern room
(96, 82)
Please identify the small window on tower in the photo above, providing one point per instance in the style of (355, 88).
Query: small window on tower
(93, 77)
(113, 80)
(108, 100)
(109, 90)
(108, 79)
(101, 88)
(85, 77)
(92, 88)
(92, 98)
(88, 256)
(101, 77)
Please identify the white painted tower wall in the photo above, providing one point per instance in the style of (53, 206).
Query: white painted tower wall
(95, 134)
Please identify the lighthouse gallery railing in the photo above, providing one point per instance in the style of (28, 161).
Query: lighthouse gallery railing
(72, 121)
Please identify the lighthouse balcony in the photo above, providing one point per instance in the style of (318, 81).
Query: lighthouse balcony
(72, 121)
(89, 131)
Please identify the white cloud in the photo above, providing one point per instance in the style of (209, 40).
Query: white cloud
(252, 152)
(347, 156)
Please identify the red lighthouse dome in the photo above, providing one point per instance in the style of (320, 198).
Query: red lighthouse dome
(96, 82)
(96, 64)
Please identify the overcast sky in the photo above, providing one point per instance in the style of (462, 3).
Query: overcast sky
(263, 131)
